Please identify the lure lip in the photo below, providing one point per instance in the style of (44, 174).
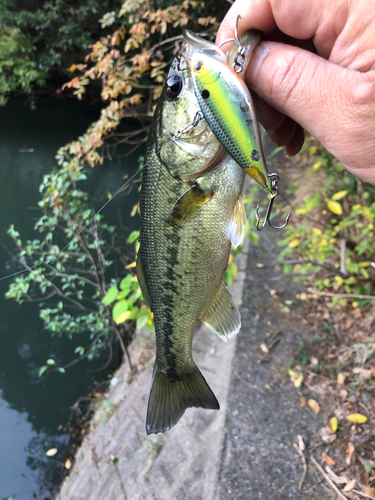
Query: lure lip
(193, 43)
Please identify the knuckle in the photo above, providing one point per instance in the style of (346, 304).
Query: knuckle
(285, 79)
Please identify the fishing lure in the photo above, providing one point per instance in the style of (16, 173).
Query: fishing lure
(227, 106)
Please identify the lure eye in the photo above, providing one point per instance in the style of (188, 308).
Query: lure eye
(198, 67)
(174, 86)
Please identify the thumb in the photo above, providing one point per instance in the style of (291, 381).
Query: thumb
(321, 96)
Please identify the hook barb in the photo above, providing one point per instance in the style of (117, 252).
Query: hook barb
(260, 225)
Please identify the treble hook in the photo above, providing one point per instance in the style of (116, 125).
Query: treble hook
(260, 225)
(239, 58)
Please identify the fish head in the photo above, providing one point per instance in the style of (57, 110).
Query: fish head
(186, 155)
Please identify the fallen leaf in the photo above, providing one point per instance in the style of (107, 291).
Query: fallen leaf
(298, 381)
(328, 460)
(68, 464)
(336, 479)
(369, 491)
(341, 378)
(314, 405)
(314, 360)
(349, 486)
(344, 394)
(366, 374)
(350, 452)
(357, 418)
(327, 435)
(303, 400)
(333, 424)
(51, 452)
(260, 265)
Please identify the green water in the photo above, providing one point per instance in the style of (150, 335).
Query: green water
(33, 408)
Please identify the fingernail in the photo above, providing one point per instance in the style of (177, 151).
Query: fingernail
(255, 63)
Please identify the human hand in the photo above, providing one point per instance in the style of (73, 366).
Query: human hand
(315, 68)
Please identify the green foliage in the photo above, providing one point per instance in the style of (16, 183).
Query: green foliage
(18, 67)
(37, 37)
(66, 269)
(331, 234)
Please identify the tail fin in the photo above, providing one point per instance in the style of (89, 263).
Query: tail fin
(169, 398)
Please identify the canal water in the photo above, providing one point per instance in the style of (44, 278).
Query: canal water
(33, 409)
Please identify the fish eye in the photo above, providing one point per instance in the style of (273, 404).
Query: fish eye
(174, 86)
(198, 67)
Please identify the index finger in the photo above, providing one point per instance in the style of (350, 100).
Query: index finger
(254, 14)
(297, 19)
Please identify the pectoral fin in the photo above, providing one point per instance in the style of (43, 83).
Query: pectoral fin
(142, 282)
(222, 317)
(236, 226)
(187, 206)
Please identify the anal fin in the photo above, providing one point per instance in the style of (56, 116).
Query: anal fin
(222, 317)
(236, 226)
(187, 206)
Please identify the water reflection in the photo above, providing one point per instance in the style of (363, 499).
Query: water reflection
(32, 407)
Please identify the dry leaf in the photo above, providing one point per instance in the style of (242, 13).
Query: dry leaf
(344, 394)
(314, 360)
(303, 400)
(298, 381)
(327, 435)
(51, 452)
(333, 424)
(336, 479)
(366, 374)
(349, 486)
(68, 464)
(357, 418)
(341, 378)
(314, 405)
(369, 491)
(350, 452)
(328, 460)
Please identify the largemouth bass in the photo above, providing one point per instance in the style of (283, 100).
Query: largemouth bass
(191, 213)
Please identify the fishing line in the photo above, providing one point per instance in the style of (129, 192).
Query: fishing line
(27, 268)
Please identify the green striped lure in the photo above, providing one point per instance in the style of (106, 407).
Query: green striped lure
(227, 106)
